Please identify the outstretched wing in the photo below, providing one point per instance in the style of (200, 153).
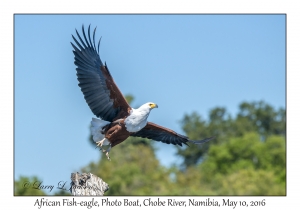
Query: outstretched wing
(97, 85)
(165, 135)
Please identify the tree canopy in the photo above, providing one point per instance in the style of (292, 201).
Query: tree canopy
(256, 117)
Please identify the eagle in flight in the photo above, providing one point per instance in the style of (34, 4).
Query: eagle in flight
(117, 120)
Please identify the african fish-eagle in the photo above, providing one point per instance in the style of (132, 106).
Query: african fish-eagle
(118, 120)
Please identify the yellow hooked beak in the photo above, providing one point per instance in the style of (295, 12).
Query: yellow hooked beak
(153, 106)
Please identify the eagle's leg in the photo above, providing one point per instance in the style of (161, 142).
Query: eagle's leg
(107, 151)
(118, 121)
(102, 142)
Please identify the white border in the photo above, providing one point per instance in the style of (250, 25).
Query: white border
(254, 6)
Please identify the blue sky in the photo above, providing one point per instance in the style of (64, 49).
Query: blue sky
(184, 63)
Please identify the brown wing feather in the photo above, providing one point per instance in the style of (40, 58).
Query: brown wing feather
(165, 135)
(119, 100)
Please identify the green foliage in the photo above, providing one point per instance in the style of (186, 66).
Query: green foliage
(219, 126)
(129, 98)
(248, 182)
(27, 186)
(240, 166)
(263, 118)
(256, 117)
(251, 162)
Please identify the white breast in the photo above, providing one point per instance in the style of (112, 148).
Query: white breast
(137, 119)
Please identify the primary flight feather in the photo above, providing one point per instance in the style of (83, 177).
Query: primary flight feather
(117, 120)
